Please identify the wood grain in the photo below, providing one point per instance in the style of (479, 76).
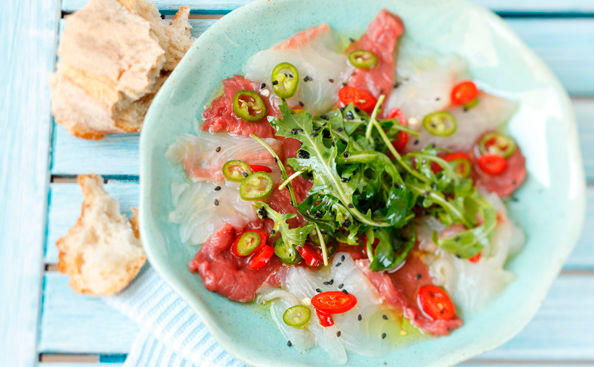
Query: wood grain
(28, 36)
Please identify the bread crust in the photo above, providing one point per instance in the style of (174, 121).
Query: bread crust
(90, 260)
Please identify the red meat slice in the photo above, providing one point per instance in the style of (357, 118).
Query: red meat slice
(219, 117)
(380, 38)
(226, 274)
(400, 288)
(508, 181)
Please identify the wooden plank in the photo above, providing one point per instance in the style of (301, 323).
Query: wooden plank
(28, 39)
(584, 113)
(562, 324)
(73, 323)
(65, 203)
(505, 6)
(66, 364)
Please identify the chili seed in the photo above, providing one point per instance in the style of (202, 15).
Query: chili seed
(218, 188)
(218, 149)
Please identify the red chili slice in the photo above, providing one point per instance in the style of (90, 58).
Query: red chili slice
(401, 138)
(263, 237)
(464, 92)
(310, 255)
(358, 97)
(261, 258)
(475, 258)
(492, 164)
(325, 318)
(334, 302)
(260, 168)
(436, 303)
(461, 163)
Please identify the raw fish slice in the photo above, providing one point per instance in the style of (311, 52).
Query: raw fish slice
(490, 113)
(204, 155)
(315, 54)
(198, 216)
(380, 38)
(219, 116)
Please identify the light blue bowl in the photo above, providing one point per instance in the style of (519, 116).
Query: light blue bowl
(550, 206)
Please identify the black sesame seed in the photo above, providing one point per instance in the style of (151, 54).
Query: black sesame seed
(418, 276)
(351, 205)
(359, 317)
(338, 333)
(396, 85)
(274, 82)
(346, 223)
(351, 39)
(457, 239)
(385, 317)
(324, 117)
(216, 202)
(262, 212)
(331, 80)
(263, 85)
(307, 78)
(345, 291)
(458, 256)
(331, 281)
(318, 290)
(339, 129)
(357, 109)
(381, 91)
(384, 335)
(345, 154)
(337, 265)
(317, 128)
(301, 104)
(318, 214)
(437, 98)
(342, 258)
(275, 160)
(218, 149)
(217, 188)
(465, 109)
(344, 84)
(313, 135)
(303, 154)
(326, 134)
(245, 174)
(349, 115)
(344, 179)
(416, 142)
(340, 285)
(341, 109)
(294, 131)
(289, 344)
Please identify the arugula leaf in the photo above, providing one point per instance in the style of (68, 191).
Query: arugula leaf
(392, 249)
(291, 236)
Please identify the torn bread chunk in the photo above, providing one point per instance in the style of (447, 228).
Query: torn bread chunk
(102, 252)
(113, 58)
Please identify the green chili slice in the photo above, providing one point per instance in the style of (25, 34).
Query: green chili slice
(248, 105)
(362, 59)
(287, 253)
(497, 143)
(471, 104)
(297, 316)
(285, 79)
(256, 186)
(248, 242)
(440, 123)
(236, 170)
(461, 166)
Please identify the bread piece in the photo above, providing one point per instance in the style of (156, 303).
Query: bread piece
(102, 252)
(114, 57)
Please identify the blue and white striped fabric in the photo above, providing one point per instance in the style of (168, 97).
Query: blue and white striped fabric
(171, 332)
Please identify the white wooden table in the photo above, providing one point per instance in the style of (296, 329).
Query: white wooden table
(41, 319)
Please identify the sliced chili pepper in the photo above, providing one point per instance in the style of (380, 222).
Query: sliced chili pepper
(464, 92)
(248, 105)
(362, 59)
(492, 164)
(436, 303)
(256, 186)
(261, 258)
(461, 163)
(236, 170)
(471, 104)
(286, 252)
(297, 316)
(475, 258)
(260, 168)
(497, 143)
(309, 255)
(440, 123)
(401, 139)
(358, 97)
(334, 302)
(285, 79)
(248, 242)
(326, 319)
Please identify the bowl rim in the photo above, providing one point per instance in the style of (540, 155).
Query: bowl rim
(236, 349)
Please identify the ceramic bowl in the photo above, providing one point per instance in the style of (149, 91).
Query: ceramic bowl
(549, 206)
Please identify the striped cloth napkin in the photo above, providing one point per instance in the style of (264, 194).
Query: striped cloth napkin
(171, 333)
